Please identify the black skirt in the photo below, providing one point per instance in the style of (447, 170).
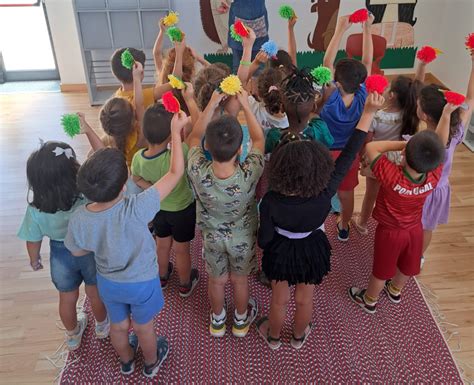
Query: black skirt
(305, 260)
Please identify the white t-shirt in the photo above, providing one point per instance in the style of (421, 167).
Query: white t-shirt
(265, 119)
(386, 125)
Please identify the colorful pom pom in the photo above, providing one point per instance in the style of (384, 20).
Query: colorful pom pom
(170, 102)
(453, 97)
(175, 34)
(240, 29)
(427, 54)
(71, 124)
(127, 59)
(470, 41)
(322, 75)
(376, 83)
(234, 34)
(359, 16)
(171, 19)
(176, 82)
(287, 12)
(270, 48)
(231, 85)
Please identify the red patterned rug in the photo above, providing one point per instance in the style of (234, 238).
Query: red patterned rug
(399, 344)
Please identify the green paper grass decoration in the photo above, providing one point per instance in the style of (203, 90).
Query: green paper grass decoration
(322, 75)
(175, 34)
(127, 59)
(287, 12)
(234, 35)
(71, 124)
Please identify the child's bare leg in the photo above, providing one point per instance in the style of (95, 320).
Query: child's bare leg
(240, 284)
(119, 339)
(400, 280)
(278, 306)
(67, 309)
(98, 308)
(216, 290)
(371, 191)
(347, 209)
(375, 287)
(147, 341)
(163, 248)
(304, 308)
(183, 261)
(427, 236)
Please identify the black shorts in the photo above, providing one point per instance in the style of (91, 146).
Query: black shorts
(178, 224)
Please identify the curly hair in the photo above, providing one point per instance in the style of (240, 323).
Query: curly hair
(282, 61)
(300, 168)
(272, 98)
(206, 82)
(117, 118)
(189, 62)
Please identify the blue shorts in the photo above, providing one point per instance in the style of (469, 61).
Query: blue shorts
(68, 271)
(143, 300)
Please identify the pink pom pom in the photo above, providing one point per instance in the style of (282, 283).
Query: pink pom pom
(427, 54)
(170, 102)
(453, 97)
(376, 83)
(240, 29)
(359, 16)
(470, 41)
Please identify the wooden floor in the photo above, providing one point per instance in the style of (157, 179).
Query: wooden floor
(28, 300)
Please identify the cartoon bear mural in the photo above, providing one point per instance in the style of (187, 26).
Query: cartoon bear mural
(327, 11)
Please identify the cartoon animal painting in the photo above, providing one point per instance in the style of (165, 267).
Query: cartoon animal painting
(327, 11)
(215, 21)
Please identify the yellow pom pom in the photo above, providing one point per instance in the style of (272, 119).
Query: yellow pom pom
(176, 82)
(231, 85)
(171, 19)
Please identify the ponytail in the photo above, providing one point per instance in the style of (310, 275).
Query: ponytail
(116, 117)
(406, 91)
(269, 83)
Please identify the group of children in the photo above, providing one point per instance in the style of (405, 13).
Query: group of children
(197, 167)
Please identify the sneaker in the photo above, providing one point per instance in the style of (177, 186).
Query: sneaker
(217, 328)
(74, 341)
(343, 234)
(162, 350)
(129, 367)
(391, 297)
(240, 328)
(187, 290)
(357, 296)
(102, 330)
(165, 280)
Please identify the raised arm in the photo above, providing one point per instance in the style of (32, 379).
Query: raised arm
(138, 98)
(443, 127)
(292, 39)
(158, 48)
(245, 63)
(94, 140)
(367, 45)
(255, 130)
(420, 71)
(188, 96)
(260, 58)
(466, 114)
(342, 26)
(179, 47)
(199, 58)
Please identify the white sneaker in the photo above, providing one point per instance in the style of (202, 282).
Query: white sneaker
(240, 328)
(73, 342)
(102, 330)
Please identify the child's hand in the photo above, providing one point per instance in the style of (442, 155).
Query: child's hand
(369, 21)
(85, 128)
(243, 98)
(343, 23)
(180, 46)
(36, 264)
(216, 98)
(449, 109)
(374, 103)
(178, 122)
(162, 25)
(292, 22)
(261, 57)
(137, 70)
(188, 92)
(250, 39)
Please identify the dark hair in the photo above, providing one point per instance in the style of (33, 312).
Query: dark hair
(123, 74)
(406, 91)
(156, 124)
(282, 61)
(223, 138)
(189, 62)
(299, 94)
(224, 67)
(273, 99)
(116, 117)
(206, 82)
(179, 95)
(300, 168)
(350, 74)
(424, 152)
(52, 178)
(432, 103)
(101, 178)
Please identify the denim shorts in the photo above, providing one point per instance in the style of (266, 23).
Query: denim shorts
(68, 271)
(142, 300)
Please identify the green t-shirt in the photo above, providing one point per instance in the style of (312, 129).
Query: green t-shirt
(154, 168)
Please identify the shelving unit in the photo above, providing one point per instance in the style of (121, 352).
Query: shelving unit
(107, 25)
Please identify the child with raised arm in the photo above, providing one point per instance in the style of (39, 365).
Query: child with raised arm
(227, 208)
(115, 228)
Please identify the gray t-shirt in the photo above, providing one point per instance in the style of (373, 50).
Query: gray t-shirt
(124, 247)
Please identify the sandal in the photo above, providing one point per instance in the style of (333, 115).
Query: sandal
(362, 230)
(298, 343)
(267, 338)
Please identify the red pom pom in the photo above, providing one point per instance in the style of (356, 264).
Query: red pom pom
(240, 29)
(453, 97)
(376, 83)
(427, 54)
(470, 41)
(170, 102)
(359, 16)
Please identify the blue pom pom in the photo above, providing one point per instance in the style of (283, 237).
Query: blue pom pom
(270, 48)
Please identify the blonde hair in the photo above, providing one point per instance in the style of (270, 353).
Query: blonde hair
(189, 62)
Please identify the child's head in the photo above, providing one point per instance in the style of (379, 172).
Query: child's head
(189, 62)
(117, 118)
(298, 95)
(207, 81)
(224, 138)
(300, 168)
(124, 75)
(431, 103)
(102, 177)
(350, 74)
(282, 61)
(51, 173)
(424, 152)
(269, 84)
(157, 124)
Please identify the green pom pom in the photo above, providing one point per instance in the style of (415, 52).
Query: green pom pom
(234, 35)
(322, 75)
(286, 12)
(127, 59)
(71, 124)
(175, 34)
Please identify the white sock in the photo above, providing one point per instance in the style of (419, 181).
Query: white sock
(106, 320)
(240, 317)
(73, 332)
(219, 317)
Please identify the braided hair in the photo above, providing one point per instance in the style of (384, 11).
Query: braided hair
(298, 86)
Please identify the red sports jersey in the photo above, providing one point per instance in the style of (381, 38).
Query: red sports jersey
(400, 200)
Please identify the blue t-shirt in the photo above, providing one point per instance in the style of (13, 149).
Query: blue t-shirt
(342, 120)
(253, 13)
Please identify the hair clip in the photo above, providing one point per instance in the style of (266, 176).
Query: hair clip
(272, 88)
(66, 151)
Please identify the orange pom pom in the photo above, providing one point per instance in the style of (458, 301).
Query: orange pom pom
(470, 41)
(453, 97)
(241, 29)
(427, 54)
(170, 102)
(376, 83)
(359, 16)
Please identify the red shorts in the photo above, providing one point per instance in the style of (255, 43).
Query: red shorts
(351, 179)
(397, 248)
